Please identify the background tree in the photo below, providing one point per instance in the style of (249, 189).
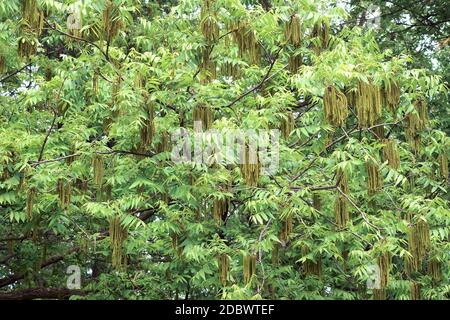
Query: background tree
(87, 111)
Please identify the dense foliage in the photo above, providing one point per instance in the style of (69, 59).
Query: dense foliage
(91, 92)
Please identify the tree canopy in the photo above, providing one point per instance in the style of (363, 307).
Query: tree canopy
(94, 92)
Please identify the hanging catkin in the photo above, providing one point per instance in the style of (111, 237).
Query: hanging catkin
(391, 95)
(443, 165)
(368, 104)
(293, 31)
(321, 31)
(422, 110)
(248, 45)
(204, 114)
(27, 46)
(287, 226)
(209, 25)
(95, 85)
(294, 62)
(224, 266)
(287, 124)
(148, 128)
(434, 269)
(251, 167)
(310, 267)
(335, 106)
(230, 69)
(384, 265)
(164, 143)
(249, 266)
(415, 122)
(379, 294)
(176, 243)
(293, 37)
(33, 18)
(418, 245)
(111, 20)
(64, 192)
(390, 153)
(276, 254)
(220, 210)
(98, 166)
(415, 290)
(117, 236)
(2, 63)
(340, 206)
(374, 179)
(30, 202)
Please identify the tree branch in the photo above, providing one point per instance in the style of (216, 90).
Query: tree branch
(41, 293)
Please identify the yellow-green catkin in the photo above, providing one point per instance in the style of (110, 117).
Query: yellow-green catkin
(418, 245)
(391, 95)
(379, 294)
(210, 29)
(208, 25)
(384, 265)
(321, 33)
(112, 23)
(335, 106)
(374, 179)
(220, 210)
(95, 84)
(368, 104)
(98, 168)
(415, 290)
(164, 142)
(276, 254)
(31, 27)
(30, 202)
(224, 266)
(2, 63)
(311, 267)
(443, 165)
(287, 226)
(249, 267)
(117, 236)
(177, 243)
(250, 166)
(287, 125)
(293, 37)
(416, 122)
(147, 131)
(434, 269)
(391, 154)
(340, 206)
(204, 114)
(64, 192)
(247, 42)
(293, 31)
(230, 69)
